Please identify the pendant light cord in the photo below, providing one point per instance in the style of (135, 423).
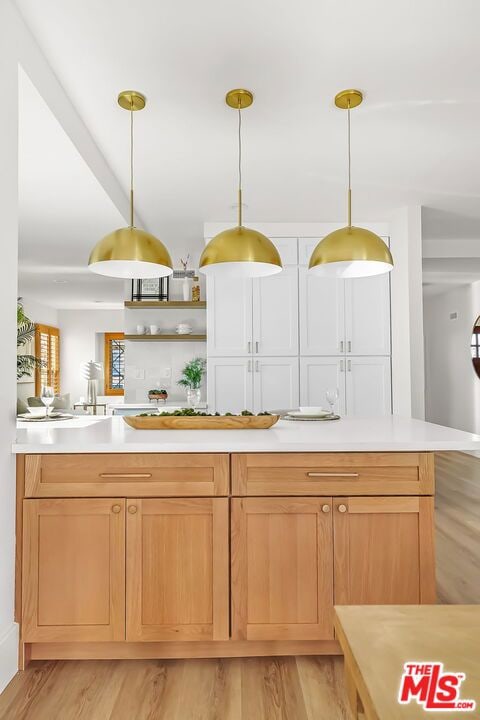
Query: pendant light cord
(349, 169)
(132, 218)
(239, 165)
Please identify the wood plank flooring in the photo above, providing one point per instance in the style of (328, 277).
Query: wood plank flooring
(302, 688)
(457, 512)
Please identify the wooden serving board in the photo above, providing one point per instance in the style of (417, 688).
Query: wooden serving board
(207, 422)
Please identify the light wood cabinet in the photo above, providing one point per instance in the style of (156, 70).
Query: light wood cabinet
(282, 569)
(73, 570)
(256, 571)
(177, 569)
(384, 550)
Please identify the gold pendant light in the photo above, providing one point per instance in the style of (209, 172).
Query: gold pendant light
(130, 252)
(351, 251)
(240, 251)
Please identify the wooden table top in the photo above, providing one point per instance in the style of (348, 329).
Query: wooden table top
(377, 641)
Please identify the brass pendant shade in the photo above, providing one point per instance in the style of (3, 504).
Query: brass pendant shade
(240, 251)
(130, 252)
(350, 251)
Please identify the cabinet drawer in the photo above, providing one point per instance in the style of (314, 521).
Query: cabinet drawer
(332, 474)
(126, 475)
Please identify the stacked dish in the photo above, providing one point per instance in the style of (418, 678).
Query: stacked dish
(311, 413)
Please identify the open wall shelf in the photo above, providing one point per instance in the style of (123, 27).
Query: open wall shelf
(141, 304)
(167, 338)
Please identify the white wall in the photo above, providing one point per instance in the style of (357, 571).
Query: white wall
(38, 313)
(452, 386)
(408, 379)
(80, 342)
(8, 296)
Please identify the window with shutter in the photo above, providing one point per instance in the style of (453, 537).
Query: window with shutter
(114, 363)
(47, 348)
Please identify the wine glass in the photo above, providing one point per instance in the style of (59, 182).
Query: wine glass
(332, 398)
(47, 396)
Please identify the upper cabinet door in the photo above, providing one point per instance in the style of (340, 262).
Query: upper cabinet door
(369, 386)
(177, 569)
(73, 570)
(282, 568)
(230, 384)
(229, 317)
(275, 383)
(367, 313)
(322, 315)
(275, 313)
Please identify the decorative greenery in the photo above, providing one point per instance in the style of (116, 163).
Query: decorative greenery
(25, 333)
(157, 391)
(192, 374)
(190, 412)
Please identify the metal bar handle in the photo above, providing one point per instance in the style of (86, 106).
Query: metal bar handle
(349, 365)
(249, 366)
(256, 366)
(249, 346)
(341, 346)
(349, 346)
(332, 474)
(125, 475)
(257, 344)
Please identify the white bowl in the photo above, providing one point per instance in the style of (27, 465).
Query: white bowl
(311, 410)
(37, 411)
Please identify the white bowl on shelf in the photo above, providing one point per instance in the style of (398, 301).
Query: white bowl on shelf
(37, 411)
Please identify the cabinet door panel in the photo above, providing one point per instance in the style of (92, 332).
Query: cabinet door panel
(229, 317)
(282, 569)
(275, 384)
(384, 550)
(367, 315)
(177, 569)
(322, 314)
(230, 384)
(74, 570)
(369, 386)
(275, 313)
(319, 374)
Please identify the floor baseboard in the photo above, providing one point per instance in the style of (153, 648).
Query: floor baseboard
(8, 654)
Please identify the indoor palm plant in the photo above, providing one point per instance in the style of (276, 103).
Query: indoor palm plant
(26, 363)
(191, 380)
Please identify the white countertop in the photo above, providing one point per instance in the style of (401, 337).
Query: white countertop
(112, 434)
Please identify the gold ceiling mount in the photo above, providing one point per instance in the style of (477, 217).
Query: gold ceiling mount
(348, 99)
(131, 100)
(239, 99)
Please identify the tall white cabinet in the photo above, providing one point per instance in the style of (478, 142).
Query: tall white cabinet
(283, 341)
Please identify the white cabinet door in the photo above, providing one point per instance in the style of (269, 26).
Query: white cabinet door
(322, 315)
(275, 383)
(229, 384)
(229, 317)
(319, 374)
(367, 315)
(369, 386)
(275, 313)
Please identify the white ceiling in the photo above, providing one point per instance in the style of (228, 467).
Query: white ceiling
(415, 138)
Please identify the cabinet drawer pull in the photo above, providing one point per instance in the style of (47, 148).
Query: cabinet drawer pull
(332, 474)
(349, 346)
(132, 509)
(342, 508)
(116, 509)
(326, 508)
(125, 475)
(249, 346)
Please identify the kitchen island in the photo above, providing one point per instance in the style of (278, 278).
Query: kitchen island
(219, 543)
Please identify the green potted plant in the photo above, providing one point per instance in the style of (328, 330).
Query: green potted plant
(158, 394)
(26, 363)
(191, 380)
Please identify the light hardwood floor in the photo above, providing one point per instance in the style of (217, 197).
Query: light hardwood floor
(302, 688)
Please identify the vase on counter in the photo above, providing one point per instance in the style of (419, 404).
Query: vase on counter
(193, 397)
